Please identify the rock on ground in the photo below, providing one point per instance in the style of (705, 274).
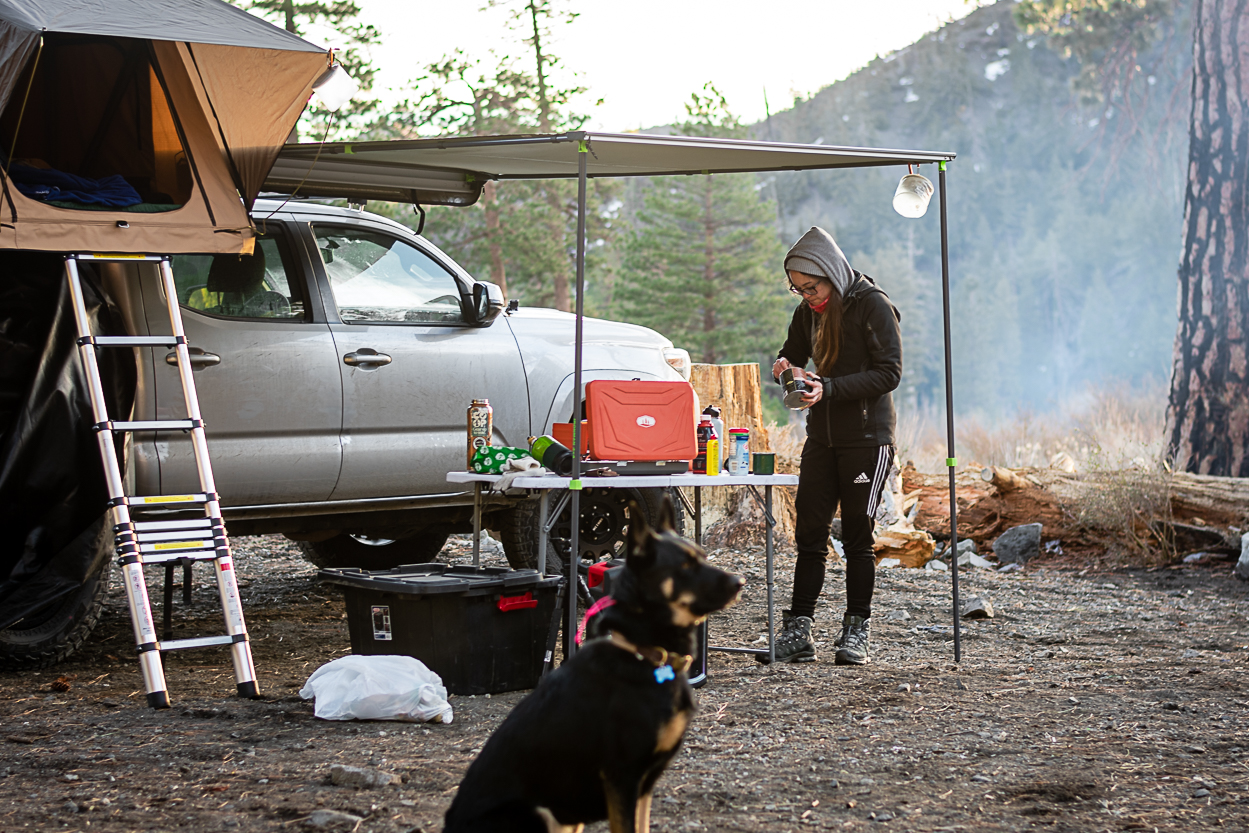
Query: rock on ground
(1019, 544)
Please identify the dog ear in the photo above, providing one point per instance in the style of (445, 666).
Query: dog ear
(667, 515)
(640, 549)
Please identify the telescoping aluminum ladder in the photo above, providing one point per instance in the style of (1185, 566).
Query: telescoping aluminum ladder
(161, 541)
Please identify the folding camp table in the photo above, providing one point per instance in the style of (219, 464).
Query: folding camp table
(549, 483)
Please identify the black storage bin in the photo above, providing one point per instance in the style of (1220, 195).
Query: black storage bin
(483, 630)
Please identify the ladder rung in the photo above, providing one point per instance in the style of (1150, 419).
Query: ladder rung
(197, 642)
(131, 341)
(119, 256)
(153, 500)
(156, 526)
(173, 535)
(163, 557)
(150, 425)
(170, 546)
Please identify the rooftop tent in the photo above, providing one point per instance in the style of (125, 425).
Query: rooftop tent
(142, 125)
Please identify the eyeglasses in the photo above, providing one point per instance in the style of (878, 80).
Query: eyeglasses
(809, 292)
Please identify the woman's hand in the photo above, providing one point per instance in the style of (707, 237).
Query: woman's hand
(780, 366)
(816, 393)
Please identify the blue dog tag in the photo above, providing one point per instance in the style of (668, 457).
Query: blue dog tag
(664, 673)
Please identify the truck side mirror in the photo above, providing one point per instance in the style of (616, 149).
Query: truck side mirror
(488, 303)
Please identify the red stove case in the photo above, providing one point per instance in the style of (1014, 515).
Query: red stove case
(641, 420)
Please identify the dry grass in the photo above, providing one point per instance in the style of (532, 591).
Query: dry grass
(1108, 429)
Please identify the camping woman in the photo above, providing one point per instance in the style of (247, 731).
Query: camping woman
(848, 329)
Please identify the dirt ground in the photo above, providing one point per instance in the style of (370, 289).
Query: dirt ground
(1093, 701)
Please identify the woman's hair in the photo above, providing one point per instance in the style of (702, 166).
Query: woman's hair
(828, 330)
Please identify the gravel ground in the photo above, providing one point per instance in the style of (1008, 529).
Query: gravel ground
(1092, 701)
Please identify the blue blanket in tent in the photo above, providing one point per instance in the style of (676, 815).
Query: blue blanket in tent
(47, 184)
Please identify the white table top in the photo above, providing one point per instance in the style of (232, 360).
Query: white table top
(551, 481)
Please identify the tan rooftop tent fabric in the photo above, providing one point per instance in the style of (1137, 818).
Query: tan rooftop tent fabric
(189, 102)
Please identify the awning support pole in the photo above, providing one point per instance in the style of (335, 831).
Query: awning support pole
(574, 550)
(951, 461)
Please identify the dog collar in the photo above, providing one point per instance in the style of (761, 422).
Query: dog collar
(654, 654)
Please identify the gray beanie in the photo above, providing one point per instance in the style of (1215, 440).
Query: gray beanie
(817, 253)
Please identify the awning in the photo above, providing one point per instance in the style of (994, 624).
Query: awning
(452, 171)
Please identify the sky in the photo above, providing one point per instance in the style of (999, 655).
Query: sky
(645, 57)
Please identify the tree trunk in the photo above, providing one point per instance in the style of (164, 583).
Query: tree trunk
(498, 274)
(1208, 411)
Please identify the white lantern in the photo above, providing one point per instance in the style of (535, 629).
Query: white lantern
(911, 198)
(335, 88)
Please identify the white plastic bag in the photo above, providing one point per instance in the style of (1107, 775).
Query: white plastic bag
(378, 688)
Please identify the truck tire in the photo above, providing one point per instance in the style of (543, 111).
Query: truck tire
(346, 550)
(57, 630)
(603, 525)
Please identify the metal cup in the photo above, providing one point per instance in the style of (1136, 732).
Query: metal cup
(794, 389)
(763, 462)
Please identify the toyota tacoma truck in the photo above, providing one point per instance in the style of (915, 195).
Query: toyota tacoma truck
(335, 368)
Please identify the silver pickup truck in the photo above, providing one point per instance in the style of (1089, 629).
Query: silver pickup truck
(335, 369)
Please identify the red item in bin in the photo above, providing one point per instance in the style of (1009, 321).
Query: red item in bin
(521, 602)
(641, 420)
(562, 432)
(597, 570)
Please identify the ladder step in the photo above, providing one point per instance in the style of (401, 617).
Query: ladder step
(131, 341)
(156, 526)
(150, 425)
(119, 256)
(174, 535)
(197, 642)
(171, 546)
(154, 500)
(193, 555)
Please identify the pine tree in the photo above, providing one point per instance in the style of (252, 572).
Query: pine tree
(702, 263)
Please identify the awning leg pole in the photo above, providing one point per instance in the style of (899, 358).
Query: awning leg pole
(574, 551)
(951, 461)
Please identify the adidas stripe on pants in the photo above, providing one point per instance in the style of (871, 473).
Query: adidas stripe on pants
(854, 479)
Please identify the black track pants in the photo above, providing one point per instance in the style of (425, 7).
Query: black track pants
(855, 478)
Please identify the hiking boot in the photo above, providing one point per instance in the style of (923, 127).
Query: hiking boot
(793, 643)
(855, 633)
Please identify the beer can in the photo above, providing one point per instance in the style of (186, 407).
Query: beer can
(480, 426)
(739, 451)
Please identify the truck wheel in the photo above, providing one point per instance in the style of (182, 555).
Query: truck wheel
(604, 520)
(57, 630)
(375, 553)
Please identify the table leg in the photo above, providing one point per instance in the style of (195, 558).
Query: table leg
(770, 521)
(476, 524)
(544, 505)
(698, 515)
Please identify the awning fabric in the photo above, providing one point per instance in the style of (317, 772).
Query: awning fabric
(447, 171)
(191, 100)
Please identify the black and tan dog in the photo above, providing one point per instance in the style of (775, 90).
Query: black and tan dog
(592, 739)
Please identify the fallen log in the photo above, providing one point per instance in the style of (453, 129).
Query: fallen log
(1005, 480)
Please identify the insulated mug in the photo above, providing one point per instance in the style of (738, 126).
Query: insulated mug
(763, 462)
(794, 389)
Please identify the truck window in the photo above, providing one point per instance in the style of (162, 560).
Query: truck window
(234, 286)
(378, 278)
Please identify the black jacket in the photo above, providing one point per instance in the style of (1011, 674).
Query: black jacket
(856, 410)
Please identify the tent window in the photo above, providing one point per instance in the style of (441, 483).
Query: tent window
(98, 131)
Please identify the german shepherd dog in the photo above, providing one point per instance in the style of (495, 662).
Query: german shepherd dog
(592, 739)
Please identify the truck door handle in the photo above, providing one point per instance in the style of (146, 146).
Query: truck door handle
(199, 359)
(364, 357)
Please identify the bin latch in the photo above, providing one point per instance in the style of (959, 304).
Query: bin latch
(521, 602)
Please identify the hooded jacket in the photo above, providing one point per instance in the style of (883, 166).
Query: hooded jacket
(856, 409)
